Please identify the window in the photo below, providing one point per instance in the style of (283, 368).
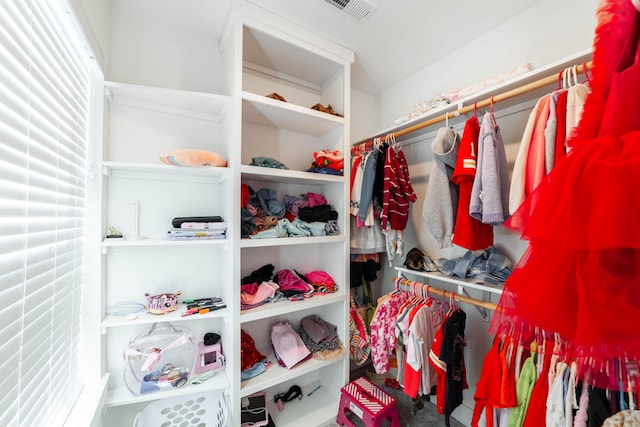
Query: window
(44, 102)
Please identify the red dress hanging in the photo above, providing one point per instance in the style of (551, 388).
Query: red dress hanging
(580, 276)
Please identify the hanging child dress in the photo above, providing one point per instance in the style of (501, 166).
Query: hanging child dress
(580, 275)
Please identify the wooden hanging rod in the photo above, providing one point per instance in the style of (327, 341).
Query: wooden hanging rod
(529, 87)
(421, 289)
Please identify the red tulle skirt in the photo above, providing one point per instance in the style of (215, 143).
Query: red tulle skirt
(580, 276)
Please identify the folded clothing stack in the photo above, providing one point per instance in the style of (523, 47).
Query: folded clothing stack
(320, 337)
(287, 345)
(197, 228)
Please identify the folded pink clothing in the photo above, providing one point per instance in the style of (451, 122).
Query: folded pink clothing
(249, 288)
(288, 345)
(319, 277)
(316, 199)
(265, 290)
(289, 281)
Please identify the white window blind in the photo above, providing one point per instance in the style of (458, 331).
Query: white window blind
(44, 100)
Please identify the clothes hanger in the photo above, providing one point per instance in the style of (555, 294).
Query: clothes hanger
(493, 116)
(574, 73)
(566, 83)
(560, 76)
(378, 143)
(585, 71)
(396, 145)
(387, 140)
(452, 305)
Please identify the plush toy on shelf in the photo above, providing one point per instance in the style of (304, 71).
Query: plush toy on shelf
(193, 158)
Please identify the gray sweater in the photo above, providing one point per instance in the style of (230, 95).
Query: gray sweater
(490, 192)
(441, 200)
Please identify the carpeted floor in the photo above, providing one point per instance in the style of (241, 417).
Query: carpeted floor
(427, 416)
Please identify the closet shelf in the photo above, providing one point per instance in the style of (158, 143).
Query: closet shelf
(277, 374)
(197, 105)
(124, 243)
(263, 111)
(122, 396)
(299, 413)
(517, 82)
(468, 283)
(145, 318)
(162, 172)
(286, 307)
(258, 173)
(263, 48)
(285, 241)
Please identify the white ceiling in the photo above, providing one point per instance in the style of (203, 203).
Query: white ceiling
(398, 39)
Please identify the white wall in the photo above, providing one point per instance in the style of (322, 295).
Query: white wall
(364, 119)
(543, 34)
(154, 52)
(93, 16)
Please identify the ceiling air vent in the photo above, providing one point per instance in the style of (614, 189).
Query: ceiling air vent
(359, 9)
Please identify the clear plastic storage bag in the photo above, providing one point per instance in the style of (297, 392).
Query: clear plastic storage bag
(162, 359)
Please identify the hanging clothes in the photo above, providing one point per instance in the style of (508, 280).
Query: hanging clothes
(561, 117)
(550, 132)
(365, 212)
(496, 387)
(439, 367)
(490, 192)
(367, 170)
(576, 97)
(535, 414)
(535, 167)
(397, 196)
(469, 232)
(357, 175)
(398, 191)
(524, 389)
(441, 200)
(383, 338)
(419, 376)
(452, 353)
(599, 272)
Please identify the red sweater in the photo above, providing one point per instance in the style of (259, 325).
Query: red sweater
(397, 192)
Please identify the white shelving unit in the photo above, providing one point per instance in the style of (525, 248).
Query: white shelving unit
(142, 124)
(267, 60)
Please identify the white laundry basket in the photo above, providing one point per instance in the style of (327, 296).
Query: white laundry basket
(206, 409)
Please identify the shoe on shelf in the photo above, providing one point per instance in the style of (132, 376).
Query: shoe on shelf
(277, 96)
(328, 109)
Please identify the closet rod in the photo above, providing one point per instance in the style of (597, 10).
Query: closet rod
(529, 87)
(410, 286)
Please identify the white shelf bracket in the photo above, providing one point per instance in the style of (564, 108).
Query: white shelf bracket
(485, 313)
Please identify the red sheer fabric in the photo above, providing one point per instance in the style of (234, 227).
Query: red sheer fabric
(580, 276)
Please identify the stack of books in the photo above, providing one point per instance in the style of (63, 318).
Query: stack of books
(198, 228)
